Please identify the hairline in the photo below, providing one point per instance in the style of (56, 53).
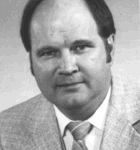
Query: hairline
(33, 12)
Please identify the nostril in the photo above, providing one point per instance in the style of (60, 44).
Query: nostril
(75, 71)
(68, 71)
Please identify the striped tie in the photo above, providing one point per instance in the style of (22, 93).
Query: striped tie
(79, 130)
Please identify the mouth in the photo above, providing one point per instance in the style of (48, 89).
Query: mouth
(69, 84)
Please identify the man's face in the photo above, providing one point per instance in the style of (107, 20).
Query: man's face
(69, 56)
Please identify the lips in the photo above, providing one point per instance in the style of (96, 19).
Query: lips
(68, 84)
(68, 81)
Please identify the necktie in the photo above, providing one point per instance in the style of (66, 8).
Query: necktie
(79, 130)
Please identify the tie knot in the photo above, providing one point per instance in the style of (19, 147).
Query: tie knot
(79, 129)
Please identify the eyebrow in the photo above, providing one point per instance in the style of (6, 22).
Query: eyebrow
(83, 42)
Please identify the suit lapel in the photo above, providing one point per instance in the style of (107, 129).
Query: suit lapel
(123, 112)
(119, 133)
(43, 126)
(47, 134)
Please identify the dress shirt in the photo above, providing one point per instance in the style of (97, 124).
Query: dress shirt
(93, 139)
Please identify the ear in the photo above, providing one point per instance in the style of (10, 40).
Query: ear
(110, 41)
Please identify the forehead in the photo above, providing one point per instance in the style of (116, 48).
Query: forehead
(68, 10)
(62, 17)
(55, 6)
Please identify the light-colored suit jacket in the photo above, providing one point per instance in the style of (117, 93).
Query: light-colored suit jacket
(32, 125)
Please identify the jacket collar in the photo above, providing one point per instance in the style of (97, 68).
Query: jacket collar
(123, 112)
(42, 125)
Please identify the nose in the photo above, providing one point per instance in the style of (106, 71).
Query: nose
(67, 63)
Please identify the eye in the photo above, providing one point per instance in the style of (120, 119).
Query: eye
(48, 53)
(80, 48)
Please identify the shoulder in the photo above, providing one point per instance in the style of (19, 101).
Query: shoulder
(21, 108)
(24, 112)
(126, 97)
(19, 124)
(125, 89)
(125, 85)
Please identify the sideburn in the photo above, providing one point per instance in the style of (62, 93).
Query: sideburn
(108, 48)
(31, 64)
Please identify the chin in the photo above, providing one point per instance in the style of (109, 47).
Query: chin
(74, 102)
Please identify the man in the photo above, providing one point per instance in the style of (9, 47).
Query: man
(71, 48)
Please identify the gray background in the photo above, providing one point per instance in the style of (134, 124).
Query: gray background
(16, 81)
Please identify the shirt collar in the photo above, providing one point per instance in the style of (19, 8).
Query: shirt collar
(97, 119)
(63, 121)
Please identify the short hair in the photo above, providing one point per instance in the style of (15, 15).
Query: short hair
(98, 9)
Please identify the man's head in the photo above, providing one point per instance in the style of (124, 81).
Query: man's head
(67, 46)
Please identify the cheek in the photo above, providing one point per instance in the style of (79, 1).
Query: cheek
(44, 74)
(92, 62)
(94, 69)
